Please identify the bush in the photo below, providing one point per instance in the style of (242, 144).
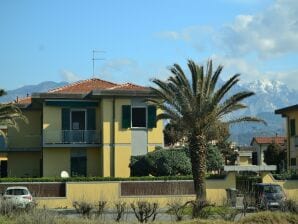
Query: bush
(270, 217)
(37, 217)
(139, 166)
(162, 162)
(144, 211)
(84, 208)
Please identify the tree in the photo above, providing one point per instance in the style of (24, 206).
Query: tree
(214, 158)
(172, 134)
(9, 114)
(197, 105)
(275, 155)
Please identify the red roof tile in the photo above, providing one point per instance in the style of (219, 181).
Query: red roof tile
(268, 140)
(84, 86)
(129, 86)
(25, 100)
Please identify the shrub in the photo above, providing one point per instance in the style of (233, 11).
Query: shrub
(101, 207)
(120, 208)
(162, 162)
(144, 211)
(270, 217)
(37, 217)
(139, 166)
(84, 208)
(290, 206)
(177, 208)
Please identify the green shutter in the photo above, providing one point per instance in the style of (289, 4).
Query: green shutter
(126, 117)
(151, 117)
(65, 118)
(292, 127)
(91, 119)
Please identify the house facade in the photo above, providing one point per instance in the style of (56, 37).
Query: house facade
(291, 115)
(88, 128)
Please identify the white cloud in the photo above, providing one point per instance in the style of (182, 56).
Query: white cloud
(69, 76)
(272, 32)
(197, 36)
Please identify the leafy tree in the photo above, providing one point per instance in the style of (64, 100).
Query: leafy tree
(197, 105)
(214, 158)
(172, 134)
(9, 114)
(275, 155)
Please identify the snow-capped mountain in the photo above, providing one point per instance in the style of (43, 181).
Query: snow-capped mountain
(269, 96)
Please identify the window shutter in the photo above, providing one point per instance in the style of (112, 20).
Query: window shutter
(65, 118)
(126, 116)
(292, 127)
(151, 117)
(91, 119)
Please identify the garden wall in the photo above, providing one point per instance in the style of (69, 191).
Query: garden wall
(162, 192)
(290, 186)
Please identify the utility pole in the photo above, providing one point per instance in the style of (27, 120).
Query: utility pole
(96, 59)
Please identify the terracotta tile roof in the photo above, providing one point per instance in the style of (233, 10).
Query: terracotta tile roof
(84, 86)
(129, 86)
(25, 100)
(268, 140)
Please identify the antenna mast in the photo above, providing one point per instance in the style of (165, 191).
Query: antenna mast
(96, 59)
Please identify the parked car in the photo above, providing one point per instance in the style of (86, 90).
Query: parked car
(268, 196)
(18, 196)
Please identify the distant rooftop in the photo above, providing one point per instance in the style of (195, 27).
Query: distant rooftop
(268, 140)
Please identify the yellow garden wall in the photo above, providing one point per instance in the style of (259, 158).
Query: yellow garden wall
(110, 191)
(290, 186)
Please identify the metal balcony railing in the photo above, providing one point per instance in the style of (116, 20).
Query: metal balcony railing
(71, 137)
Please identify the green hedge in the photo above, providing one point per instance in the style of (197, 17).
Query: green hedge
(88, 179)
(285, 176)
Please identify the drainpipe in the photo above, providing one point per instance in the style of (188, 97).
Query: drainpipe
(289, 144)
(113, 139)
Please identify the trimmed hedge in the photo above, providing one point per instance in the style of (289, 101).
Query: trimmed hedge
(89, 179)
(285, 176)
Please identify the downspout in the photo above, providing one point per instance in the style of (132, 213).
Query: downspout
(113, 139)
(289, 144)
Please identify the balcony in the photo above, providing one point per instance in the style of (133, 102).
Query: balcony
(71, 137)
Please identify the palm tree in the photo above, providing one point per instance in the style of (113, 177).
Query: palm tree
(9, 114)
(197, 105)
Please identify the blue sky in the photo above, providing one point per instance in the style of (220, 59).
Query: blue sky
(53, 40)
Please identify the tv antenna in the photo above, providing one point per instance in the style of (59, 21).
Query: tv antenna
(94, 52)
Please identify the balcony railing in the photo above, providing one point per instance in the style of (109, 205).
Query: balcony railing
(71, 137)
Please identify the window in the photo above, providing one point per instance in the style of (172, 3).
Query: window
(292, 127)
(138, 117)
(293, 161)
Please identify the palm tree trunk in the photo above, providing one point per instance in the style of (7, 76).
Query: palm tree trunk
(198, 150)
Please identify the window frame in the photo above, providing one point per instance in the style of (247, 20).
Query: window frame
(74, 110)
(131, 117)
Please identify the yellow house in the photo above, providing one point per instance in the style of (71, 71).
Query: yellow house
(291, 115)
(88, 128)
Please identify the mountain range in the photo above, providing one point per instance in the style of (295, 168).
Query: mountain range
(270, 95)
